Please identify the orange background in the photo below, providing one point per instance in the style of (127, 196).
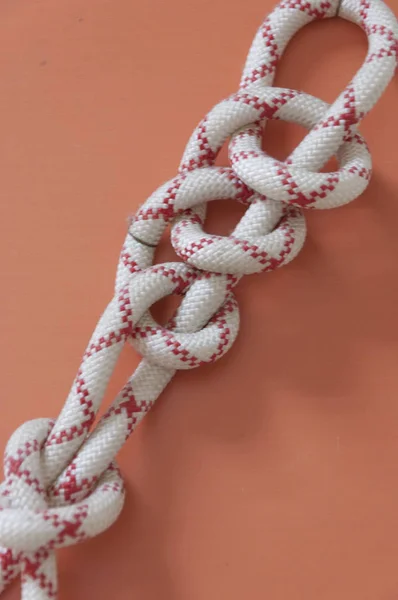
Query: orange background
(272, 474)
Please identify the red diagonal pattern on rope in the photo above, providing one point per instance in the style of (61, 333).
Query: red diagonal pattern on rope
(129, 407)
(267, 68)
(166, 211)
(244, 155)
(206, 155)
(13, 466)
(66, 529)
(244, 193)
(296, 195)
(266, 110)
(9, 564)
(269, 263)
(187, 251)
(225, 331)
(306, 7)
(129, 262)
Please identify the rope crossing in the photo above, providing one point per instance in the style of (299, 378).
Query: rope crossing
(61, 482)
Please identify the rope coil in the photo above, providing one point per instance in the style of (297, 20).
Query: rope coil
(61, 482)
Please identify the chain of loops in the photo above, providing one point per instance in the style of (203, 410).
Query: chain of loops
(61, 482)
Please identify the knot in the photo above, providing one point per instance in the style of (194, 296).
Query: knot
(297, 181)
(169, 347)
(31, 527)
(269, 236)
(185, 350)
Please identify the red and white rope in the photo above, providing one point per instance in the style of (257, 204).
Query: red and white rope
(61, 482)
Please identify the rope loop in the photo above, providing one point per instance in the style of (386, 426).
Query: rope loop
(297, 181)
(31, 528)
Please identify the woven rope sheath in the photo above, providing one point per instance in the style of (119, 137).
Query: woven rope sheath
(61, 482)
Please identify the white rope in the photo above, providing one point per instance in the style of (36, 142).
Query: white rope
(61, 482)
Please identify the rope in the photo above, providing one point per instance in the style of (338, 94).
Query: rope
(61, 482)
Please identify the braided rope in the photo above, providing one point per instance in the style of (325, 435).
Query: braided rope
(61, 482)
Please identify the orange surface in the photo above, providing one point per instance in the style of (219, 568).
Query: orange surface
(272, 474)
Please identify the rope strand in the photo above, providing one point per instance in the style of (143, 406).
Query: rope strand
(61, 483)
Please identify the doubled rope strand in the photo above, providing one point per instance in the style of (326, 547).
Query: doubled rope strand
(62, 484)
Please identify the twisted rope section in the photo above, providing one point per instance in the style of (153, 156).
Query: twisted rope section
(61, 482)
